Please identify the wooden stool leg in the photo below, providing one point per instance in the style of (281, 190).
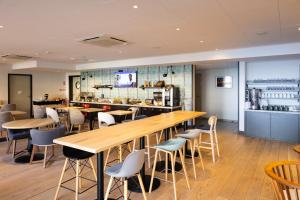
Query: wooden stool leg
(45, 156)
(173, 175)
(120, 153)
(166, 167)
(142, 186)
(158, 138)
(217, 143)
(93, 168)
(106, 159)
(108, 187)
(212, 147)
(200, 155)
(192, 146)
(148, 151)
(125, 189)
(184, 169)
(77, 180)
(61, 178)
(153, 171)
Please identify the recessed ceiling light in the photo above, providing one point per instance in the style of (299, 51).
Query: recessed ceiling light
(261, 33)
(71, 58)
(1, 26)
(298, 28)
(201, 41)
(217, 49)
(135, 6)
(177, 29)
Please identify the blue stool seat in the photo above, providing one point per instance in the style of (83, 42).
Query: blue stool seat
(172, 144)
(192, 134)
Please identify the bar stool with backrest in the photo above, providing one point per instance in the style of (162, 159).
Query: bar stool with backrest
(285, 177)
(55, 117)
(131, 167)
(8, 107)
(78, 160)
(44, 138)
(76, 119)
(192, 137)
(213, 143)
(170, 148)
(6, 117)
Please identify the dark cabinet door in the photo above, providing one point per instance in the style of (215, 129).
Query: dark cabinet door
(258, 124)
(285, 127)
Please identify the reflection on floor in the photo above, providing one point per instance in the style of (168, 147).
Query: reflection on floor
(237, 174)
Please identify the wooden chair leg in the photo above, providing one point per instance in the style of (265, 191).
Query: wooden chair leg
(61, 178)
(71, 128)
(171, 133)
(173, 175)
(108, 188)
(217, 143)
(166, 167)
(134, 145)
(77, 180)
(158, 138)
(14, 148)
(32, 154)
(125, 189)
(45, 156)
(79, 177)
(9, 145)
(153, 170)
(184, 169)
(148, 151)
(142, 186)
(176, 131)
(93, 168)
(106, 159)
(120, 153)
(192, 146)
(212, 147)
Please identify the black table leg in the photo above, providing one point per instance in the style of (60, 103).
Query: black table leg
(160, 165)
(91, 119)
(100, 176)
(133, 183)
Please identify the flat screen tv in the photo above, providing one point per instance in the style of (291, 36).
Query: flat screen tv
(125, 79)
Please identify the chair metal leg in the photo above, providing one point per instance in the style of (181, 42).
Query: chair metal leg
(108, 188)
(125, 189)
(61, 178)
(142, 186)
(153, 171)
(184, 169)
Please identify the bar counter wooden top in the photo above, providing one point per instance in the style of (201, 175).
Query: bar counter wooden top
(99, 140)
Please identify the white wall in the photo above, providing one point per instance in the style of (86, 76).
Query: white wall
(52, 83)
(219, 101)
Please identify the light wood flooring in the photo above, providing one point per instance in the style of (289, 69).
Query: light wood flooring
(237, 174)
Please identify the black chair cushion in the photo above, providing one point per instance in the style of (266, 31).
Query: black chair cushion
(76, 153)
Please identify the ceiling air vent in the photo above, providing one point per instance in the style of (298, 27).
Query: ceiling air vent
(105, 41)
(16, 57)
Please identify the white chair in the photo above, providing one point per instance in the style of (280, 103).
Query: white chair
(135, 111)
(76, 119)
(212, 144)
(51, 113)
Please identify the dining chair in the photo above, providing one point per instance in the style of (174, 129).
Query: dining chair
(51, 113)
(76, 119)
(44, 138)
(6, 117)
(17, 134)
(8, 107)
(213, 143)
(131, 167)
(39, 112)
(78, 160)
(285, 176)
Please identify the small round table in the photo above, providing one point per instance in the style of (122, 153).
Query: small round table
(28, 124)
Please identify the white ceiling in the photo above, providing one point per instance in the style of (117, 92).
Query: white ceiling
(51, 29)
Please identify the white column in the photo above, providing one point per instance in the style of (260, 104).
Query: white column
(242, 88)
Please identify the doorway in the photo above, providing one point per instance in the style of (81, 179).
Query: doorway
(74, 88)
(20, 92)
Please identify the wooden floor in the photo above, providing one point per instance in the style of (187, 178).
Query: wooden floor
(237, 174)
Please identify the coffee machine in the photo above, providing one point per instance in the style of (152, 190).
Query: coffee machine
(255, 98)
(171, 96)
(158, 98)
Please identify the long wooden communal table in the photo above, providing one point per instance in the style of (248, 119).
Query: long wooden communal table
(99, 140)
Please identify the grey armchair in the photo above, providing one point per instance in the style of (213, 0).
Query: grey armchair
(5, 117)
(8, 107)
(44, 138)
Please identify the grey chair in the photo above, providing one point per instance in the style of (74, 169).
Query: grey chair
(8, 107)
(17, 134)
(39, 112)
(44, 138)
(5, 117)
(131, 167)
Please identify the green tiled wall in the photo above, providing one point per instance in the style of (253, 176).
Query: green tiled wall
(182, 79)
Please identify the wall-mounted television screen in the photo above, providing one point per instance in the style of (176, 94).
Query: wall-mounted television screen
(125, 79)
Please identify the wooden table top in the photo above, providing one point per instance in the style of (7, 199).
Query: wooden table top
(27, 123)
(17, 112)
(120, 112)
(67, 108)
(90, 110)
(297, 148)
(102, 139)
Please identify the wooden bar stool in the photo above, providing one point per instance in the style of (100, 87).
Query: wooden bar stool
(170, 148)
(81, 160)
